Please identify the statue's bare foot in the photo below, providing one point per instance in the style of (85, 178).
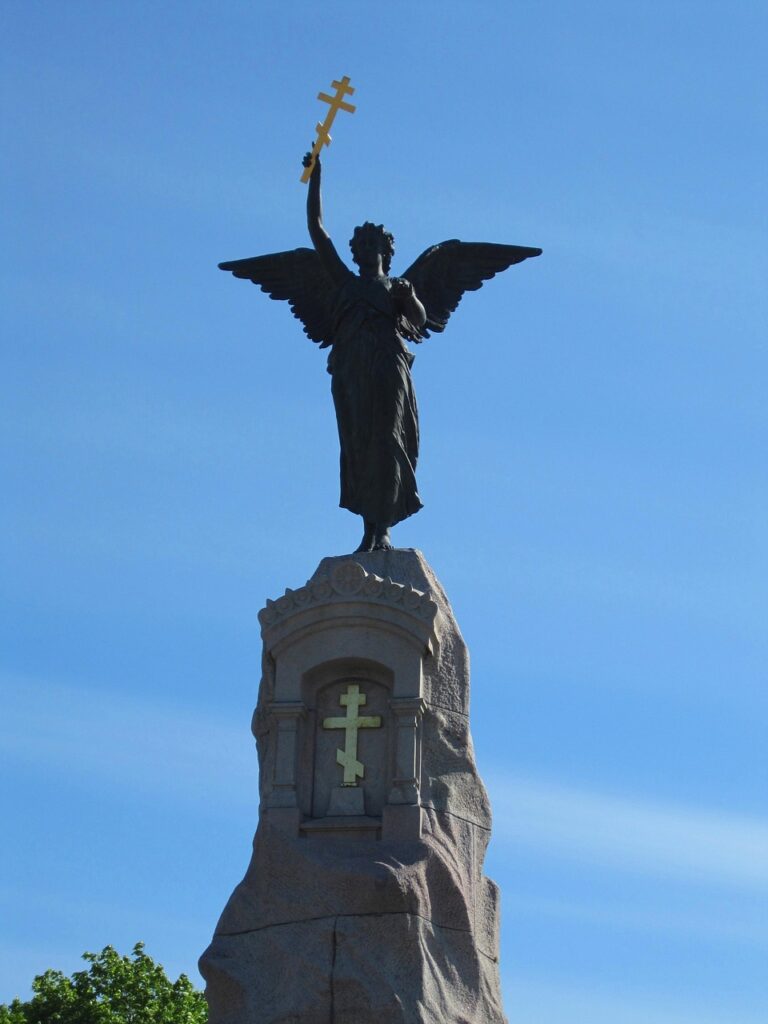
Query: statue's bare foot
(366, 544)
(381, 539)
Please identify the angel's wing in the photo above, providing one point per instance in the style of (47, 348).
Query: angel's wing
(299, 277)
(444, 272)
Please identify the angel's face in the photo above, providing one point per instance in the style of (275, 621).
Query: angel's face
(371, 249)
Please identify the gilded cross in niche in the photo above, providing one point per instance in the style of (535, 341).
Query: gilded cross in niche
(352, 700)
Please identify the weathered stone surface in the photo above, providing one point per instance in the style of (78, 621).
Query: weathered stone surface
(349, 917)
(367, 969)
(281, 974)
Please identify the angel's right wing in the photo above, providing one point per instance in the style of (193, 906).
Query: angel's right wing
(299, 277)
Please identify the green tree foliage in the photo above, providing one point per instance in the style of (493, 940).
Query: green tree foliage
(113, 990)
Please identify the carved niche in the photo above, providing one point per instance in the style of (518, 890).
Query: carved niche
(344, 748)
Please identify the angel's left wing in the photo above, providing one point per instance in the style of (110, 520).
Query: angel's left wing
(442, 274)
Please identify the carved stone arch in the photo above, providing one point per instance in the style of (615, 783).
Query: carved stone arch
(336, 668)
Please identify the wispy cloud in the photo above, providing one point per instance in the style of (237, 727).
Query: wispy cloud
(138, 743)
(626, 833)
(547, 1001)
(183, 752)
(711, 918)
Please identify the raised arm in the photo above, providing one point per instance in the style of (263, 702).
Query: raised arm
(326, 250)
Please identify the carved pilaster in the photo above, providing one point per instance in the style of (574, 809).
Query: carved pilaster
(406, 712)
(284, 719)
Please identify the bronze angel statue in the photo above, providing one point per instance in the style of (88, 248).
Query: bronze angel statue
(366, 319)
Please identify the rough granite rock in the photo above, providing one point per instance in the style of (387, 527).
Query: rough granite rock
(356, 924)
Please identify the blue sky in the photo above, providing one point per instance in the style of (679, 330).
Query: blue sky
(593, 463)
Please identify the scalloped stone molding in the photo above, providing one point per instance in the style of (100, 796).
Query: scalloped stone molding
(349, 580)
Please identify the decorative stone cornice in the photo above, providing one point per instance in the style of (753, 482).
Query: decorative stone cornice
(349, 581)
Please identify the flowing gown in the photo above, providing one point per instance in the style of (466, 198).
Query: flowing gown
(375, 404)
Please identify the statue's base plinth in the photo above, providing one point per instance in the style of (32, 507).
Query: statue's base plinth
(365, 903)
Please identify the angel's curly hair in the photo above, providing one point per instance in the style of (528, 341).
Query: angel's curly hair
(387, 242)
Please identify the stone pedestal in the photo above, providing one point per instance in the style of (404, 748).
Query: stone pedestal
(365, 901)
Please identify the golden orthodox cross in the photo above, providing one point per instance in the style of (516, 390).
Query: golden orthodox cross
(352, 700)
(336, 102)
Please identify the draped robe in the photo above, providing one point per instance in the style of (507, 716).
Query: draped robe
(375, 403)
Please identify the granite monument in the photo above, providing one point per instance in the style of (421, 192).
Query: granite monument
(365, 900)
